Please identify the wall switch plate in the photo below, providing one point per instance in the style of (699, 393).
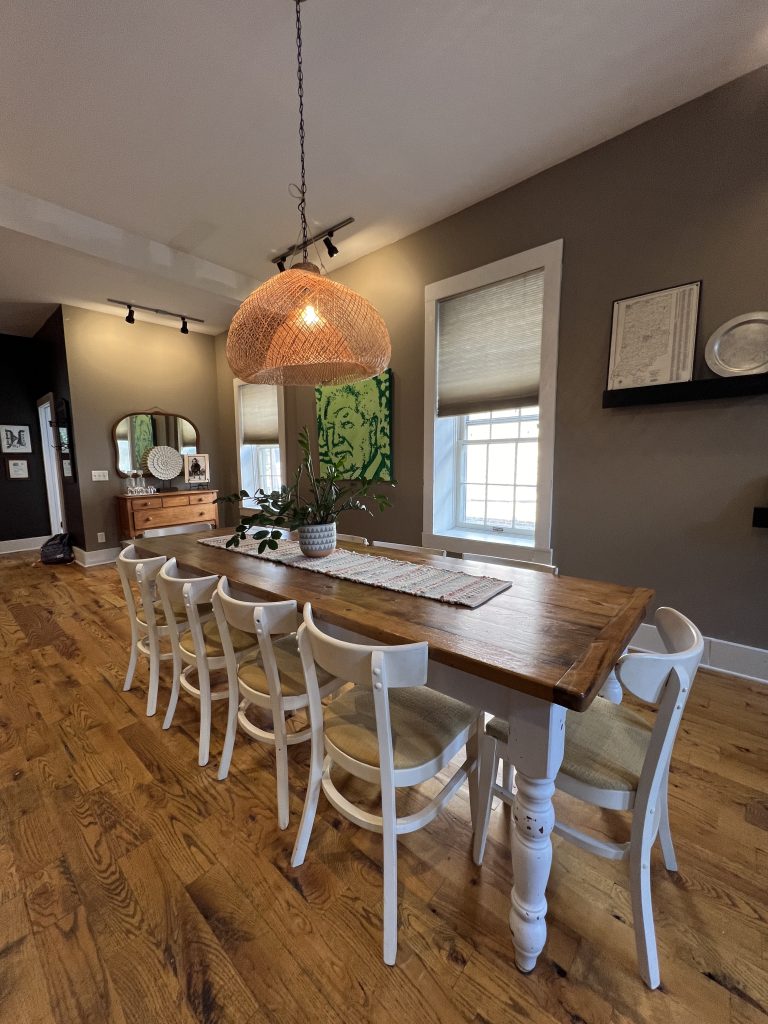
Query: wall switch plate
(101, 537)
(99, 474)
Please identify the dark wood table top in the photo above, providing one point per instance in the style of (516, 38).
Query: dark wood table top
(554, 637)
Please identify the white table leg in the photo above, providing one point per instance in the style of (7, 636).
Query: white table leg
(537, 731)
(536, 740)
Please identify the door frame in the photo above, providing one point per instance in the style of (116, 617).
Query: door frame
(53, 484)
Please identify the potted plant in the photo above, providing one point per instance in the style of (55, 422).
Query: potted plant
(311, 504)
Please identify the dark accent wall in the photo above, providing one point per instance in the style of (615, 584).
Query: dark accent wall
(55, 373)
(23, 503)
(655, 496)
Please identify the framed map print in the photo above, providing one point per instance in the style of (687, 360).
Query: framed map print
(653, 337)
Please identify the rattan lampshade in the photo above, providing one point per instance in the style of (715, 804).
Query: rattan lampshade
(301, 328)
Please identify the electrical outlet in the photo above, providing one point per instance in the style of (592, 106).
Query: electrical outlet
(101, 538)
(99, 474)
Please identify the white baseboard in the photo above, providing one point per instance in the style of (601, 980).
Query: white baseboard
(735, 659)
(99, 557)
(22, 544)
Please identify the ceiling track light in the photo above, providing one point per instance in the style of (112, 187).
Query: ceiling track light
(330, 247)
(131, 306)
(321, 236)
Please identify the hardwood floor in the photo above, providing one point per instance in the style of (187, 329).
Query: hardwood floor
(134, 887)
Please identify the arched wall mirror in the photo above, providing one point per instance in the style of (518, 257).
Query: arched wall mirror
(137, 432)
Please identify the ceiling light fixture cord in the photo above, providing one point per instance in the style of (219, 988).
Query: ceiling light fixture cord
(300, 79)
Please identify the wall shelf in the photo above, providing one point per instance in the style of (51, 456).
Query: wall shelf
(688, 391)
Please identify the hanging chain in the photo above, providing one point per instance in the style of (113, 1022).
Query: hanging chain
(300, 78)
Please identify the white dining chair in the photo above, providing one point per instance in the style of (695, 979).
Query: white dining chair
(390, 730)
(273, 680)
(417, 549)
(147, 619)
(352, 538)
(616, 760)
(197, 645)
(513, 563)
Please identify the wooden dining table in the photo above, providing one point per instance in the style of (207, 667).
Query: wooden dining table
(541, 648)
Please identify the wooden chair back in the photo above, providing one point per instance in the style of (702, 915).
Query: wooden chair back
(140, 573)
(664, 680)
(417, 549)
(175, 588)
(352, 538)
(261, 620)
(514, 563)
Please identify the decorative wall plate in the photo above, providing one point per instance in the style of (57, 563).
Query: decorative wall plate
(739, 346)
(164, 462)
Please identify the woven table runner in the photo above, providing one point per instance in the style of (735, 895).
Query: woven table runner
(447, 585)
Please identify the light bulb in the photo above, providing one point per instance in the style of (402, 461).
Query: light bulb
(309, 316)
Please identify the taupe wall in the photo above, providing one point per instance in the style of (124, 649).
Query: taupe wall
(116, 368)
(227, 470)
(658, 496)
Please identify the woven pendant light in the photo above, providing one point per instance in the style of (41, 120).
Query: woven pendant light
(299, 328)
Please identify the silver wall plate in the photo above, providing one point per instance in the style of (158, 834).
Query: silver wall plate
(739, 346)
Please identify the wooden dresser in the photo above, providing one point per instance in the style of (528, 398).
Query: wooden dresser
(140, 512)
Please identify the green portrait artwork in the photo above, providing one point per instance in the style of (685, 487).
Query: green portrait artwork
(142, 437)
(354, 427)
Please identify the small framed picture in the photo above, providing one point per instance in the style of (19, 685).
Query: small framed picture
(15, 439)
(196, 469)
(18, 469)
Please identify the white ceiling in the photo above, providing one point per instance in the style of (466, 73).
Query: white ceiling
(176, 121)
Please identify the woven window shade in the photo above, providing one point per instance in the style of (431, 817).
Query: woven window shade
(258, 414)
(489, 347)
(301, 328)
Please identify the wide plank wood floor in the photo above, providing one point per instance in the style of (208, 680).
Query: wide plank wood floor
(134, 887)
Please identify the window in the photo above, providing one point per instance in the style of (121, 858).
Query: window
(496, 471)
(258, 412)
(491, 359)
(260, 467)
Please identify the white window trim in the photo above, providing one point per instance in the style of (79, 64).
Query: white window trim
(236, 384)
(548, 257)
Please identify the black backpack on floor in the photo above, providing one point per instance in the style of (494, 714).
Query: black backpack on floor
(57, 550)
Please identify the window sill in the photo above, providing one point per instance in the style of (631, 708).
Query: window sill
(480, 543)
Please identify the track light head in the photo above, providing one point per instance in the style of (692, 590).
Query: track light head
(332, 250)
(281, 265)
(130, 318)
(184, 327)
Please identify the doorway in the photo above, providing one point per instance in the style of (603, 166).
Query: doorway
(45, 411)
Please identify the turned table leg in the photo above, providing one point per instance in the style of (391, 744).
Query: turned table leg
(537, 731)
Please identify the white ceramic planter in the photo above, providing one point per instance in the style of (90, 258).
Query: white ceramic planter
(317, 540)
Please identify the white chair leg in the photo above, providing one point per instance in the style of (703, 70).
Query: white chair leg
(132, 663)
(508, 776)
(310, 801)
(231, 733)
(665, 833)
(154, 673)
(389, 838)
(473, 753)
(174, 698)
(642, 913)
(487, 769)
(204, 684)
(281, 774)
